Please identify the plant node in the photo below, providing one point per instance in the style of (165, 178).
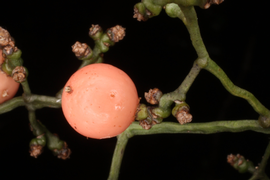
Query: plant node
(153, 96)
(264, 121)
(19, 74)
(116, 33)
(210, 2)
(81, 49)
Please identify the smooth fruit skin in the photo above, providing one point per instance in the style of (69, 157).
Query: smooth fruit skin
(100, 101)
(8, 87)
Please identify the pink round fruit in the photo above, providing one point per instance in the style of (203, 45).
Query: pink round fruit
(100, 101)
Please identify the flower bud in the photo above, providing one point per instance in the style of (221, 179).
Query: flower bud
(153, 96)
(63, 153)
(19, 74)
(181, 112)
(140, 12)
(95, 32)
(141, 112)
(82, 51)
(239, 163)
(116, 33)
(36, 145)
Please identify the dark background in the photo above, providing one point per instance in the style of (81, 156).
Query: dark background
(156, 53)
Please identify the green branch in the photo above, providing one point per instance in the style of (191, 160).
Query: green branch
(235, 90)
(118, 154)
(180, 93)
(175, 128)
(198, 128)
(260, 172)
(11, 104)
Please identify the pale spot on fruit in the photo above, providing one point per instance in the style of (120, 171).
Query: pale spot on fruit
(118, 107)
(5, 93)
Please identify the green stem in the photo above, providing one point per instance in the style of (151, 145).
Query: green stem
(11, 104)
(195, 36)
(53, 141)
(260, 173)
(175, 128)
(95, 57)
(200, 3)
(35, 101)
(40, 101)
(199, 128)
(26, 88)
(118, 154)
(180, 93)
(38, 129)
(194, 31)
(208, 64)
(235, 90)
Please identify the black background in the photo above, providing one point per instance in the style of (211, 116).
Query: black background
(156, 53)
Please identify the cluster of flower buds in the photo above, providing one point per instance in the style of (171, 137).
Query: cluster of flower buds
(102, 41)
(7, 42)
(149, 116)
(240, 163)
(12, 61)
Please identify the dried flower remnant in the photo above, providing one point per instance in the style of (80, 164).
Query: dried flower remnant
(183, 116)
(153, 96)
(19, 74)
(5, 37)
(181, 112)
(138, 15)
(210, 2)
(68, 89)
(116, 33)
(7, 41)
(145, 124)
(94, 29)
(63, 153)
(35, 150)
(80, 49)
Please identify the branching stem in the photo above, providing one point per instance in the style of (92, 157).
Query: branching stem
(260, 172)
(175, 128)
(235, 90)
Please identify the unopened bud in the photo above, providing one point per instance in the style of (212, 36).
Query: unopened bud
(116, 33)
(153, 96)
(141, 112)
(81, 50)
(95, 32)
(63, 153)
(36, 145)
(19, 74)
(181, 112)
